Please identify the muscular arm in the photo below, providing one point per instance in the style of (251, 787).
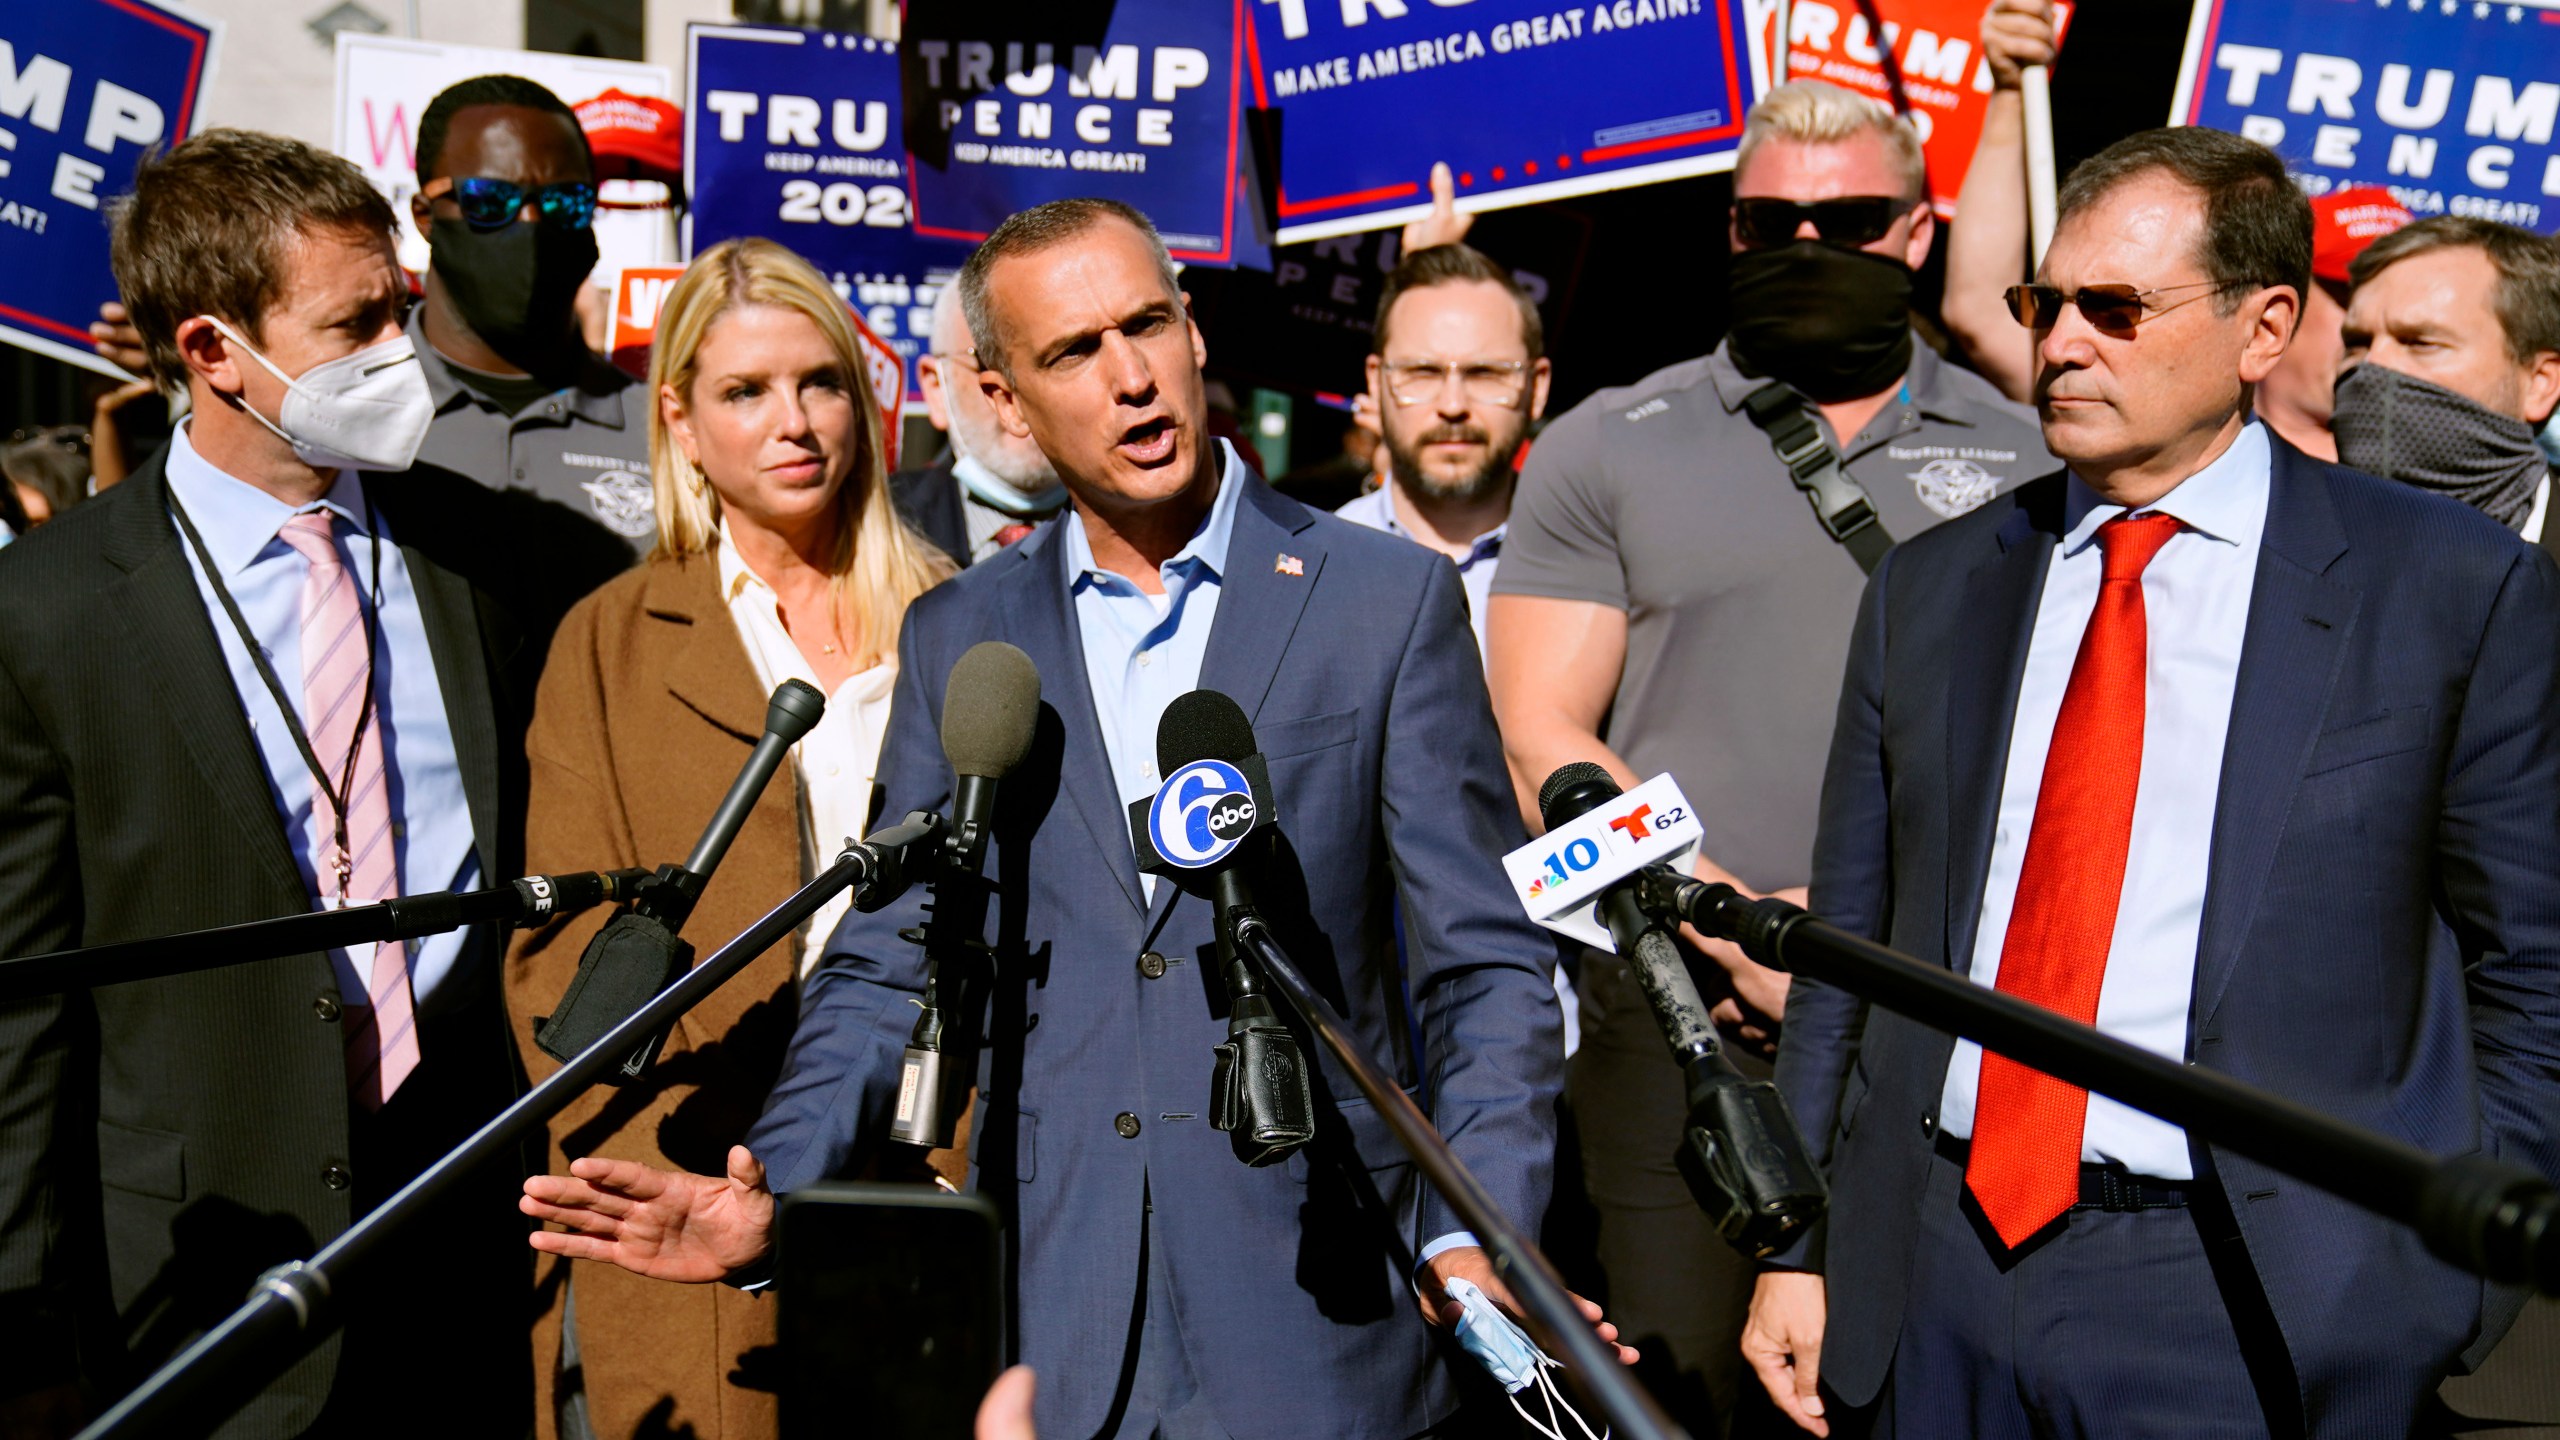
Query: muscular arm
(1553, 667)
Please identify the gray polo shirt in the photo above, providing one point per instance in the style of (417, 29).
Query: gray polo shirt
(583, 447)
(1663, 500)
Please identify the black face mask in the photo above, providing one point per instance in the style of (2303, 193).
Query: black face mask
(513, 285)
(2407, 429)
(1833, 323)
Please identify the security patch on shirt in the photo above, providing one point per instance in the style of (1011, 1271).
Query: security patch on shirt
(1951, 480)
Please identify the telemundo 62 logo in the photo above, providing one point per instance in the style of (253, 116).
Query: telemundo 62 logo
(1204, 810)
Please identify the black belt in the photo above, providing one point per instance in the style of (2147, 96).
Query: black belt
(2108, 1187)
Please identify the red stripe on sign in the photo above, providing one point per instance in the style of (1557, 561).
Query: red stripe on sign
(195, 59)
(1356, 197)
(40, 322)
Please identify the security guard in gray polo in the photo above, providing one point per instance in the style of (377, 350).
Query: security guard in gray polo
(1677, 594)
(506, 201)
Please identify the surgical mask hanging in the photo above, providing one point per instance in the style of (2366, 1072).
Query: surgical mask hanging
(1833, 323)
(366, 411)
(1514, 1360)
(2411, 430)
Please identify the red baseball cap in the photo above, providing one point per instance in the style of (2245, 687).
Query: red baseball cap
(634, 137)
(2343, 222)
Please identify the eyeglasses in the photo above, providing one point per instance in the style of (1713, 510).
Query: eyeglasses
(1848, 221)
(1486, 382)
(68, 437)
(2114, 308)
(494, 204)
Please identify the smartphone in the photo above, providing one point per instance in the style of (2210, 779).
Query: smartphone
(892, 1315)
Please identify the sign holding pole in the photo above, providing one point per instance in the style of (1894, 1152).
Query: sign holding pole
(86, 87)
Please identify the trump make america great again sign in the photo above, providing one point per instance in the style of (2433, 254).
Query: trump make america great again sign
(1525, 101)
(2450, 103)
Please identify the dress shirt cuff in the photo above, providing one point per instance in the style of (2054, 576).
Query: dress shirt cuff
(1455, 1239)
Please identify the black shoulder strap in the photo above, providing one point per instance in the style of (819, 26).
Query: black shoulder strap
(1838, 501)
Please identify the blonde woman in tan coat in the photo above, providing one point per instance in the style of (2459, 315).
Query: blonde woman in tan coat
(779, 556)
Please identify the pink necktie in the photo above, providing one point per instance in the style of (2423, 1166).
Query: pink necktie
(381, 1034)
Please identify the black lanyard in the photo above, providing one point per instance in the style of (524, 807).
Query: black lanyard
(341, 794)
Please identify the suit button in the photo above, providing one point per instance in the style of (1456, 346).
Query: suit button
(336, 1177)
(1928, 1127)
(1151, 965)
(326, 1009)
(1126, 1124)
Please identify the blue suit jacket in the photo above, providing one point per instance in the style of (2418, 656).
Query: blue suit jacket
(2381, 933)
(1292, 1287)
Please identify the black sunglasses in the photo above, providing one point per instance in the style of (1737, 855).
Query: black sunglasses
(2116, 308)
(1850, 221)
(494, 204)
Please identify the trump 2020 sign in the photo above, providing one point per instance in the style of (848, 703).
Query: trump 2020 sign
(86, 86)
(2450, 103)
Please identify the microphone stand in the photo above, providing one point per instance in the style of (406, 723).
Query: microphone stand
(293, 1306)
(1632, 1413)
(531, 900)
(2492, 1218)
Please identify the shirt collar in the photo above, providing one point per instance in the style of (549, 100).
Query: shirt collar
(1207, 546)
(237, 519)
(2224, 501)
(735, 577)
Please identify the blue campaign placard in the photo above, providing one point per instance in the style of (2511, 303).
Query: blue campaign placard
(1526, 101)
(795, 135)
(86, 87)
(1146, 111)
(2450, 105)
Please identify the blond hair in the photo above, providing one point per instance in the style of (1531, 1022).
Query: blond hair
(880, 564)
(1817, 112)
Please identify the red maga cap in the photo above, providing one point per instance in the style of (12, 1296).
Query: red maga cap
(634, 137)
(2343, 222)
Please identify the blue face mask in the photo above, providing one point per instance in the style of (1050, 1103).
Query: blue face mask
(1500, 1346)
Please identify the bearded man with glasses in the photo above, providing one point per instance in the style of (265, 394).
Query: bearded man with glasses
(1670, 601)
(2239, 756)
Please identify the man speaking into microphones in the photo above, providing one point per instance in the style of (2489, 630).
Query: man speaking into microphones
(1161, 1286)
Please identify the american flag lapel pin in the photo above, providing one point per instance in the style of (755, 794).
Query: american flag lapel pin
(1289, 565)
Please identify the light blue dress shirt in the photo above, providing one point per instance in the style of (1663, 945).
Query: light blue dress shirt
(430, 818)
(1141, 651)
(1377, 510)
(2195, 601)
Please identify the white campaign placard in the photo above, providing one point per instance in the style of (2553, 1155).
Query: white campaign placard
(384, 84)
(1558, 875)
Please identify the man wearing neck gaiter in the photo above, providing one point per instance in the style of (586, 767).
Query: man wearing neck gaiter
(2453, 364)
(1669, 602)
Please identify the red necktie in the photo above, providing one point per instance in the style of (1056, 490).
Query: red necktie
(2025, 1162)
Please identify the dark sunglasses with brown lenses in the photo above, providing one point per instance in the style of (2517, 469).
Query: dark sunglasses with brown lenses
(1847, 221)
(2114, 308)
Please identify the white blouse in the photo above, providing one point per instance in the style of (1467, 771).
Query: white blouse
(834, 765)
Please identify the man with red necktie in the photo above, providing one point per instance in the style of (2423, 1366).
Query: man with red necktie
(2236, 755)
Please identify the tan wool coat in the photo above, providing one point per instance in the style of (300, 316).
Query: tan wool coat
(646, 711)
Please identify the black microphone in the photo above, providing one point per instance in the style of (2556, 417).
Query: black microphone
(1209, 822)
(639, 952)
(990, 710)
(1740, 1151)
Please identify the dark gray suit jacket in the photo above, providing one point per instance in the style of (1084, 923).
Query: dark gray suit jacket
(2392, 775)
(161, 1142)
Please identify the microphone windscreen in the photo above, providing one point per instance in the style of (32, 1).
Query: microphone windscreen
(794, 710)
(1573, 790)
(990, 707)
(1202, 725)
